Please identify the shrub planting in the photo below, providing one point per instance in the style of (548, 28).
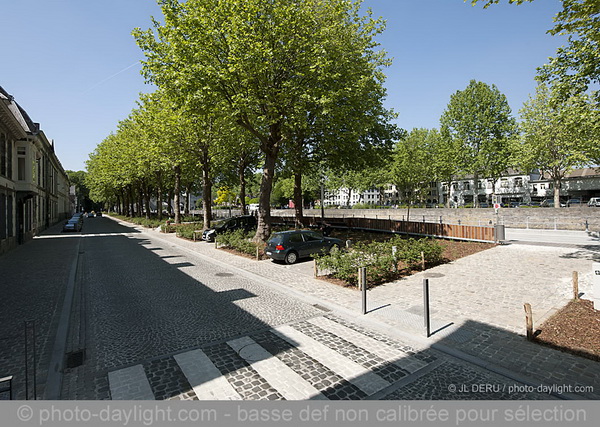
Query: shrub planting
(385, 261)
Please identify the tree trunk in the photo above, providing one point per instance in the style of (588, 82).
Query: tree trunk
(170, 203)
(206, 194)
(263, 229)
(147, 201)
(186, 208)
(177, 194)
(298, 200)
(475, 190)
(242, 178)
(132, 201)
(556, 193)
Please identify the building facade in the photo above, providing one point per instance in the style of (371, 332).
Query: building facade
(514, 186)
(34, 188)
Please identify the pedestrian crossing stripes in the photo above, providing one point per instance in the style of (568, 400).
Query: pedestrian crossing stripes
(322, 358)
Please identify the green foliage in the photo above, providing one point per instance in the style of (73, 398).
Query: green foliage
(479, 125)
(238, 240)
(576, 66)
(303, 73)
(145, 222)
(186, 230)
(382, 265)
(558, 135)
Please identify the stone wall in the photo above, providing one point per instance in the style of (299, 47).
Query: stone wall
(573, 218)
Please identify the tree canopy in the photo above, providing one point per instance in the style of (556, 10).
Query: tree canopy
(576, 67)
(270, 66)
(558, 137)
(479, 123)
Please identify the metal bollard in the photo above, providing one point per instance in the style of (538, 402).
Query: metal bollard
(362, 280)
(426, 313)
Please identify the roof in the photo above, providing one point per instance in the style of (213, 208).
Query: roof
(577, 173)
(14, 116)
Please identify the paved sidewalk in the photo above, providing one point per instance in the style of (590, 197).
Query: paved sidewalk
(477, 306)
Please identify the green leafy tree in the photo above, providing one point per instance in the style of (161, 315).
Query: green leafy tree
(82, 192)
(576, 66)
(411, 167)
(265, 64)
(478, 122)
(558, 137)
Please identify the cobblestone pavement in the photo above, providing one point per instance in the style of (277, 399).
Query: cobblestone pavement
(313, 360)
(158, 317)
(477, 304)
(32, 294)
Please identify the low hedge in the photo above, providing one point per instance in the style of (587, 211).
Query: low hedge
(383, 264)
(239, 241)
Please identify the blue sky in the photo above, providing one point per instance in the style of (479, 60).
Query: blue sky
(74, 66)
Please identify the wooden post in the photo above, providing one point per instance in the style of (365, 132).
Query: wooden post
(257, 255)
(316, 268)
(423, 260)
(575, 285)
(529, 321)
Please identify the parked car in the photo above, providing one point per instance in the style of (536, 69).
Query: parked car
(594, 202)
(549, 203)
(99, 214)
(290, 246)
(244, 222)
(74, 224)
(514, 204)
(573, 202)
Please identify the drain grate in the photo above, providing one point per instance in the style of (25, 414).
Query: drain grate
(75, 358)
(223, 274)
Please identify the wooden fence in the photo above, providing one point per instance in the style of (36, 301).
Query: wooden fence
(413, 228)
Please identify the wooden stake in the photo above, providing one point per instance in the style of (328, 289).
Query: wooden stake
(423, 260)
(257, 255)
(575, 285)
(316, 268)
(529, 321)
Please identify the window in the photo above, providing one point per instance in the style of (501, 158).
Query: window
(504, 183)
(9, 213)
(296, 238)
(518, 182)
(543, 186)
(2, 154)
(312, 237)
(467, 185)
(3, 215)
(21, 152)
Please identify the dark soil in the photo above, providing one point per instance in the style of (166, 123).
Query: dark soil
(453, 250)
(574, 329)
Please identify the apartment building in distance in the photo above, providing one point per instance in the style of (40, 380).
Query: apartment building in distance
(513, 186)
(34, 188)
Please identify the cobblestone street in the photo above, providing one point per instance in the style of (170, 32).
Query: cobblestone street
(157, 317)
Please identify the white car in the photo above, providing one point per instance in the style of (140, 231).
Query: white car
(594, 202)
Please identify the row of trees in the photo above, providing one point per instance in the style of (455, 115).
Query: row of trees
(295, 85)
(296, 89)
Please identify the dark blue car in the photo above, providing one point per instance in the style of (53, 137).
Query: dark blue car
(290, 246)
